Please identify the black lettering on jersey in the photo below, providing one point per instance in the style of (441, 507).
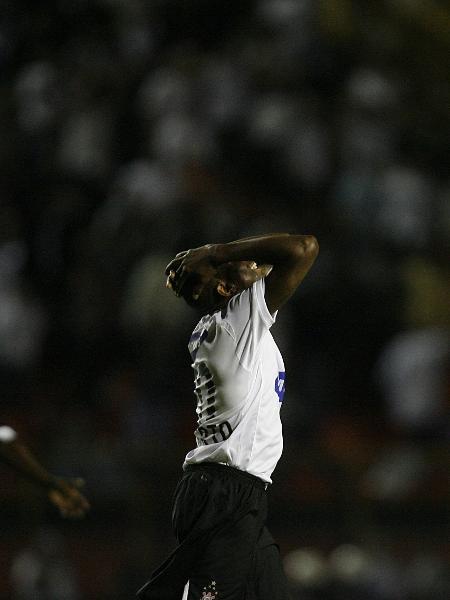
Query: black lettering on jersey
(214, 433)
(225, 430)
(212, 429)
(205, 389)
(202, 432)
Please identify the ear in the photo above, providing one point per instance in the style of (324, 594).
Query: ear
(226, 290)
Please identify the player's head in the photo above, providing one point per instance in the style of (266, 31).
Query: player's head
(229, 279)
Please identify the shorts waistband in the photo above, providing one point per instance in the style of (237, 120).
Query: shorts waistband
(231, 471)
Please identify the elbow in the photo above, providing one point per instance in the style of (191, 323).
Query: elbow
(307, 247)
(311, 246)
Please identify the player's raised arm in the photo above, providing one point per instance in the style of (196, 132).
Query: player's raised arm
(291, 257)
(284, 260)
(63, 493)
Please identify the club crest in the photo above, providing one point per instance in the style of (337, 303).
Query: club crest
(210, 593)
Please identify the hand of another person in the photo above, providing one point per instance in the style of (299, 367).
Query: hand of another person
(66, 496)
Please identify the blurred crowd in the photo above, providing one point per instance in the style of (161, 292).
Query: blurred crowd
(134, 129)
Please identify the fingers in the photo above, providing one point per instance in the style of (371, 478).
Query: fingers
(176, 280)
(172, 283)
(177, 273)
(169, 280)
(173, 265)
(70, 506)
(187, 264)
(67, 498)
(175, 262)
(181, 275)
(181, 280)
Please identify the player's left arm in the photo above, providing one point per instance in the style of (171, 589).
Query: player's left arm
(295, 260)
(62, 492)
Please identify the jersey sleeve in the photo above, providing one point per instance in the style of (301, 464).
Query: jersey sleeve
(247, 320)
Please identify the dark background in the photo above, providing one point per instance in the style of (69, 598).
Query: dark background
(131, 130)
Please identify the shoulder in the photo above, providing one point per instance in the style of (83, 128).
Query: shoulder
(250, 305)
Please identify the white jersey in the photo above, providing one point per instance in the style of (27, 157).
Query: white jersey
(239, 384)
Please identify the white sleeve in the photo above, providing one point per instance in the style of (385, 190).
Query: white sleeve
(247, 320)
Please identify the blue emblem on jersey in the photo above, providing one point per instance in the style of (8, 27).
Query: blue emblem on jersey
(279, 385)
(196, 340)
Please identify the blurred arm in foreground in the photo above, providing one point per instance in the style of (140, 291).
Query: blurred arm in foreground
(63, 493)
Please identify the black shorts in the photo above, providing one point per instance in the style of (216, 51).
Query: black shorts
(225, 549)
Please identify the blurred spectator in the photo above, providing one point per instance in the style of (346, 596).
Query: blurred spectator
(42, 571)
(414, 371)
(22, 320)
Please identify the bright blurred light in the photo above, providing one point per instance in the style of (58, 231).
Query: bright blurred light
(306, 567)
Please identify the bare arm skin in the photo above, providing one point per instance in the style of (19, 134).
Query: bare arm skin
(63, 493)
(290, 255)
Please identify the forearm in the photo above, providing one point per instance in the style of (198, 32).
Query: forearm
(63, 493)
(269, 249)
(17, 456)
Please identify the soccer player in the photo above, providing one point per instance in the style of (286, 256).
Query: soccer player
(63, 493)
(225, 551)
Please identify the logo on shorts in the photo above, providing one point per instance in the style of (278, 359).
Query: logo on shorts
(210, 593)
(280, 385)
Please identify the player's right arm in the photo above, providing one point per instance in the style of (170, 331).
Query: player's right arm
(63, 493)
